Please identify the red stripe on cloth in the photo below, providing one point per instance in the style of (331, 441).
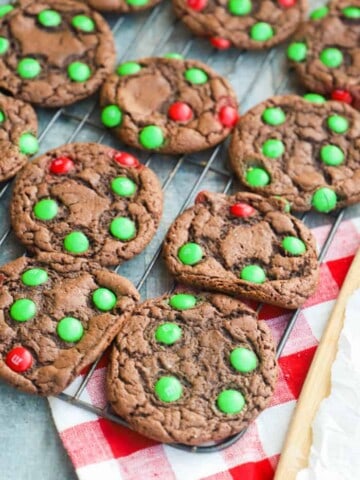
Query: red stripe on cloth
(295, 368)
(339, 269)
(262, 470)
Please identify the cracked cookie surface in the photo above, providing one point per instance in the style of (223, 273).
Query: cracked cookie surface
(191, 368)
(168, 105)
(121, 6)
(306, 152)
(57, 319)
(54, 53)
(243, 245)
(87, 200)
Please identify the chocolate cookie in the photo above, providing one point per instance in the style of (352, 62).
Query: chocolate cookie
(326, 51)
(55, 319)
(53, 53)
(168, 105)
(18, 130)
(244, 24)
(121, 6)
(305, 151)
(87, 200)
(244, 245)
(191, 369)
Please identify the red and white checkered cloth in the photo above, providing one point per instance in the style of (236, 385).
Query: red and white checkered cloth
(100, 449)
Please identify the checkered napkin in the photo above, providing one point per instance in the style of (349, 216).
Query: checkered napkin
(100, 449)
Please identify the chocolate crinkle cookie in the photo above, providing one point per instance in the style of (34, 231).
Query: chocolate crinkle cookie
(56, 318)
(121, 6)
(191, 368)
(243, 245)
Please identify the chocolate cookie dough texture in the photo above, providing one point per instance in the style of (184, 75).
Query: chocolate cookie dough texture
(53, 53)
(244, 24)
(121, 6)
(243, 245)
(325, 51)
(18, 130)
(305, 150)
(56, 318)
(191, 368)
(168, 105)
(86, 200)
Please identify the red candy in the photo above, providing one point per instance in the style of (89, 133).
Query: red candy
(126, 160)
(342, 96)
(220, 43)
(180, 112)
(19, 359)
(242, 210)
(61, 165)
(287, 3)
(228, 116)
(197, 5)
(200, 197)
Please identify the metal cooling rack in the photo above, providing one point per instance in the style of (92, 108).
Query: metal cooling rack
(254, 76)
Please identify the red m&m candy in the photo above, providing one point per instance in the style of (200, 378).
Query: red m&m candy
(242, 209)
(341, 96)
(220, 43)
(287, 3)
(180, 112)
(126, 160)
(61, 165)
(228, 116)
(200, 197)
(19, 359)
(197, 5)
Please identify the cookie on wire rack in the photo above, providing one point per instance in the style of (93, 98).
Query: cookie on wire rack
(121, 6)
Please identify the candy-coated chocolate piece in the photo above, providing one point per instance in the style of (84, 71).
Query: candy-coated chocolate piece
(168, 333)
(126, 160)
(273, 116)
(128, 68)
(28, 68)
(239, 7)
(123, 228)
(318, 13)
(111, 116)
(123, 186)
(242, 209)
(297, 51)
(324, 200)
(5, 9)
(331, 57)
(342, 96)
(190, 253)
(28, 144)
(19, 359)
(182, 301)
(253, 274)
(293, 245)
(2, 116)
(168, 389)
(220, 43)
(273, 148)
(137, 3)
(230, 401)
(174, 56)
(197, 5)
(23, 310)
(338, 123)
(228, 116)
(46, 209)
(261, 32)
(243, 360)
(76, 242)
(151, 137)
(4, 45)
(180, 112)
(49, 18)
(83, 23)
(70, 329)
(332, 155)
(196, 76)
(257, 177)
(314, 98)
(104, 299)
(34, 277)
(61, 165)
(352, 12)
(79, 72)
(287, 3)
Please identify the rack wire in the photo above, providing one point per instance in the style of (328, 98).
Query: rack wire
(262, 77)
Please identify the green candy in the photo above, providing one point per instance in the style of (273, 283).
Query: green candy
(337, 123)
(314, 98)
(123, 186)
(23, 310)
(174, 55)
(83, 23)
(28, 68)
(332, 155)
(137, 3)
(324, 200)
(76, 242)
(287, 204)
(297, 51)
(273, 116)
(257, 177)
(253, 274)
(261, 32)
(111, 116)
(196, 76)
(4, 45)
(243, 360)
(230, 401)
(128, 68)
(2, 116)
(104, 299)
(318, 13)
(168, 333)
(5, 9)
(293, 245)
(273, 148)
(351, 12)
(331, 57)
(34, 277)
(45, 209)
(239, 7)
(28, 144)
(49, 18)
(190, 253)
(79, 72)
(70, 329)
(151, 137)
(123, 228)
(182, 301)
(168, 389)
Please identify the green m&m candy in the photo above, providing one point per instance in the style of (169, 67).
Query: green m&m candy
(331, 57)
(123, 228)
(273, 116)
(123, 186)
(128, 68)
(257, 177)
(76, 242)
(190, 253)
(318, 13)
(314, 98)
(4, 45)
(46, 209)
(23, 310)
(174, 55)
(293, 245)
(151, 137)
(168, 389)
(34, 277)
(253, 274)
(2, 116)
(351, 12)
(5, 9)
(230, 401)
(28, 68)
(83, 23)
(297, 51)
(104, 299)
(273, 148)
(28, 144)
(332, 155)
(182, 301)
(70, 329)
(196, 76)
(324, 200)
(168, 333)
(337, 123)
(79, 72)
(137, 3)
(111, 116)
(239, 7)
(243, 360)
(261, 32)
(49, 18)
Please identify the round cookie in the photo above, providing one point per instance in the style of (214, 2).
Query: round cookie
(191, 368)
(168, 105)
(121, 6)
(18, 130)
(57, 318)
(243, 245)
(302, 150)
(244, 24)
(87, 200)
(325, 51)
(53, 53)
